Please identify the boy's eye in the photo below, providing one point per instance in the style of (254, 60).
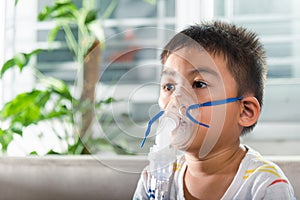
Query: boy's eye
(199, 84)
(169, 87)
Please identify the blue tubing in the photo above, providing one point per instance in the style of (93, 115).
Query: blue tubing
(210, 103)
(191, 107)
(156, 117)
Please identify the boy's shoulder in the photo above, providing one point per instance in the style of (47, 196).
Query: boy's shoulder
(255, 163)
(260, 178)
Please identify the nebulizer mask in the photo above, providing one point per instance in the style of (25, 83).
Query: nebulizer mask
(178, 123)
(174, 131)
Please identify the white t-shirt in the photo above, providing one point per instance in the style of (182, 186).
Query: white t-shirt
(256, 179)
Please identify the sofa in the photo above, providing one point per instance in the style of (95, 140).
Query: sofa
(88, 177)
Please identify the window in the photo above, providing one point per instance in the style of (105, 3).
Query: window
(135, 34)
(7, 37)
(136, 31)
(16, 37)
(128, 28)
(278, 26)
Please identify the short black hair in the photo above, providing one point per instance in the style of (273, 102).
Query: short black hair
(241, 48)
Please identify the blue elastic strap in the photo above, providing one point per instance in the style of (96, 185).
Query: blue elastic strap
(210, 103)
(191, 107)
(158, 115)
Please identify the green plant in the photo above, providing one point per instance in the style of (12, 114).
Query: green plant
(52, 99)
(85, 43)
(66, 16)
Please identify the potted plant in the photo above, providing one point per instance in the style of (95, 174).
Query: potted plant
(52, 99)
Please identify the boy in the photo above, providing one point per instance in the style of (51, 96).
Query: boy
(222, 68)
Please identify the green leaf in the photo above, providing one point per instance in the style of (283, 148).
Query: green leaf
(7, 65)
(53, 34)
(51, 152)
(58, 86)
(44, 14)
(34, 52)
(20, 59)
(77, 148)
(16, 2)
(33, 153)
(42, 98)
(105, 101)
(91, 16)
(58, 114)
(108, 11)
(16, 105)
(108, 100)
(6, 136)
(95, 28)
(23, 108)
(17, 128)
(121, 150)
(61, 9)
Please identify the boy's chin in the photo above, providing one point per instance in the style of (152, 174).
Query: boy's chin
(182, 137)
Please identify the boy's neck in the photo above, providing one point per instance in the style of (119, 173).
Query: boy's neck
(218, 162)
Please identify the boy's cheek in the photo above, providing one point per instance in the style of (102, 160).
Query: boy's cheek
(204, 115)
(162, 102)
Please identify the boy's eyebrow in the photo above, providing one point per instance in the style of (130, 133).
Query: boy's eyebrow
(168, 72)
(203, 69)
(196, 70)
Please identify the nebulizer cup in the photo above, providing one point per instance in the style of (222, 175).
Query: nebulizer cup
(161, 159)
(174, 132)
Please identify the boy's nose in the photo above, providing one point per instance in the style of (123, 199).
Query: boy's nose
(177, 103)
(181, 98)
(174, 102)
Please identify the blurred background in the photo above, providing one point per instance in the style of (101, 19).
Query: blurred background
(135, 32)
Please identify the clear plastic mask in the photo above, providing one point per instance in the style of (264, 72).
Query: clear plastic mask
(173, 123)
(178, 120)
(191, 80)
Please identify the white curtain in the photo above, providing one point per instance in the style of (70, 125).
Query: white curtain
(7, 44)
(17, 34)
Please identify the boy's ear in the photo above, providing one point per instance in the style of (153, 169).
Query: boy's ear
(250, 111)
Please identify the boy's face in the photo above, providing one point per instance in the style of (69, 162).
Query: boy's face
(192, 76)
